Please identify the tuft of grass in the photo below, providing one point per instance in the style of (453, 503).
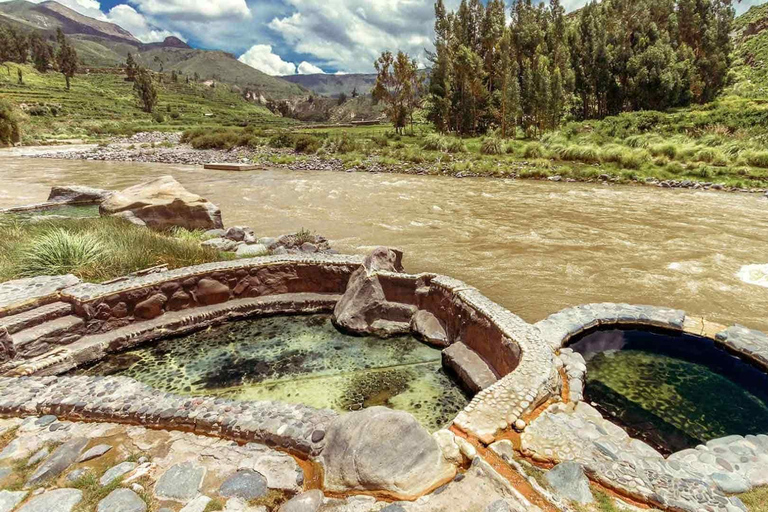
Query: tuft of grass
(435, 142)
(214, 505)
(533, 150)
(492, 146)
(304, 235)
(756, 500)
(304, 143)
(93, 491)
(756, 158)
(456, 145)
(60, 252)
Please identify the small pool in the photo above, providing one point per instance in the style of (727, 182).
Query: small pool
(672, 391)
(300, 359)
(71, 211)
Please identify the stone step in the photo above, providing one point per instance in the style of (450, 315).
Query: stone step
(470, 368)
(48, 331)
(21, 321)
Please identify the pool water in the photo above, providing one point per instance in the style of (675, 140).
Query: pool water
(299, 359)
(672, 391)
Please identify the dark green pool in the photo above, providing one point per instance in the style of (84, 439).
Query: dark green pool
(300, 359)
(673, 391)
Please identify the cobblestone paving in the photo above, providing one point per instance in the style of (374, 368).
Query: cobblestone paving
(22, 292)
(748, 342)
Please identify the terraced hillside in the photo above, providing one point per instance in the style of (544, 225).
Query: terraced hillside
(102, 103)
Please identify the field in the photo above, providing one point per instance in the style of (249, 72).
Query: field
(102, 103)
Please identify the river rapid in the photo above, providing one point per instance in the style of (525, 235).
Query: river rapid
(534, 247)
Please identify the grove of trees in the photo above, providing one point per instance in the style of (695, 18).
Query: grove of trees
(539, 66)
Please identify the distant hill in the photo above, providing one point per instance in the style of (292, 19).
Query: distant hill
(102, 45)
(749, 70)
(334, 85)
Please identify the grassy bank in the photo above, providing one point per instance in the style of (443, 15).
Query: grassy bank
(102, 103)
(725, 142)
(94, 249)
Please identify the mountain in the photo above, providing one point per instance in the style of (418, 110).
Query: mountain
(334, 85)
(749, 70)
(49, 16)
(101, 44)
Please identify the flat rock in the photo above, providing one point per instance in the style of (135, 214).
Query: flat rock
(251, 251)
(309, 501)
(428, 328)
(198, 504)
(96, 451)
(246, 484)
(75, 194)
(569, 481)
(116, 472)
(163, 203)
(9, 500)
(61, 458)
(57, 500)
(731, 483)
(181, 482)
(122, 500)
(471, 369)
(221, 244)
(382, 450)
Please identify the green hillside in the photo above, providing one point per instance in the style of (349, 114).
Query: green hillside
(103, 103)
(750, 64)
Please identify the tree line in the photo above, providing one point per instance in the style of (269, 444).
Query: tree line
(19, 47)
(531, 66)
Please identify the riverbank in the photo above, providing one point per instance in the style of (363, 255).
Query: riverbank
(167, 148)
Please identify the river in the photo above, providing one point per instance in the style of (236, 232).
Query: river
(534, 247)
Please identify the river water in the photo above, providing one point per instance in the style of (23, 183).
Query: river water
(534, 247)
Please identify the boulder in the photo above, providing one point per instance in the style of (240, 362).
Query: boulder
(364, 309)
(75, 194)
(163, 204)
(210, 291)
(428, 328)
(151, 307)
(238, 233)
(384, 451)
(568, 480)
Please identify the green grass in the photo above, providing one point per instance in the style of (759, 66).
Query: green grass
(756, 500)
(102, 104)
(95, 249)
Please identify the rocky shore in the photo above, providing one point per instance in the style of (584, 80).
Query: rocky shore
(166, 148)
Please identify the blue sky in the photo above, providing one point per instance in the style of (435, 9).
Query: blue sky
(283, 37)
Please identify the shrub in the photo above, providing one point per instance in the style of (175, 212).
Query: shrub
(282, 140)
(158, 117)
(341, 144)
(306, 144)
(756, 158)
(381, 142)
(675, 168)
(711, 156)
(10, 130)
(435, 142)
(175, 115)
(492, 146)
(533, 150)
(61, 252)
(304, 235)
(456, 145)
(668, 150)
(625, 157)
(586, 154)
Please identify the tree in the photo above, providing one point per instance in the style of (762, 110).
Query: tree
(130, 67)
(398, 86)
(10, 131)
(354, 92)
(42, 53)
(174, 76)
(66, 57)
(145, 89)
(342, 98)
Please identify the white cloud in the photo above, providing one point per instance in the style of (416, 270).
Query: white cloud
(194, 9)
(260, 56)
(135, 23)
(306, 68)
(351, 34)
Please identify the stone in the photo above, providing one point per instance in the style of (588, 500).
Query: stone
(446, 440)
(57, 500)
(731, 483)
(44, 421)
(381, 450)
(40, 455)
(221, 244)
(9, 500)
(308, 247)
(198, 504)
(61, 458)
(179, 300)
(210, 291)
(96, 451)
(116, 472)
(309, 501)
(75, 194)
(131, 218)
(181, 482)
(163, 204)
(245, 484)
(77, 474)
(569, 481)
(213, 233)
(251, 251)
(151, 307)
(471, 369)
(268, 241)
(428, 328)
(364, 309)
(122, 500)
(238, 233)
(7, 348)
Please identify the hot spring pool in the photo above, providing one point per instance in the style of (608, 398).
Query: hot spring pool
(672, 391)
(300, 359)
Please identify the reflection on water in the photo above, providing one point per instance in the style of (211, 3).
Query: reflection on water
(673, 391)
(533, 247)
(301, 360)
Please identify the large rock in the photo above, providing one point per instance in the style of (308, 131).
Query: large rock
(364, 309)
(381, 450)
(75, 194)
(569, 481)
(428, 328)
(163, 204)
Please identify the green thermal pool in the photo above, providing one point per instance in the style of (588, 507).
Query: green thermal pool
(672, 391)
(300, 359)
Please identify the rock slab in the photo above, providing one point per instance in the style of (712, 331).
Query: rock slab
(122, 500)
(9, 500)
(569, 481)
(75, 194)
(245, 484)
(382, 450)
(181, 482)
(61, 458)
(471, 369)
(58, 500)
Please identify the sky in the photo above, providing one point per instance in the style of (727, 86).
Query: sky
(286, 37)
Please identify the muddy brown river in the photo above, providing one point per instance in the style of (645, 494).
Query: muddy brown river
(534, 247)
